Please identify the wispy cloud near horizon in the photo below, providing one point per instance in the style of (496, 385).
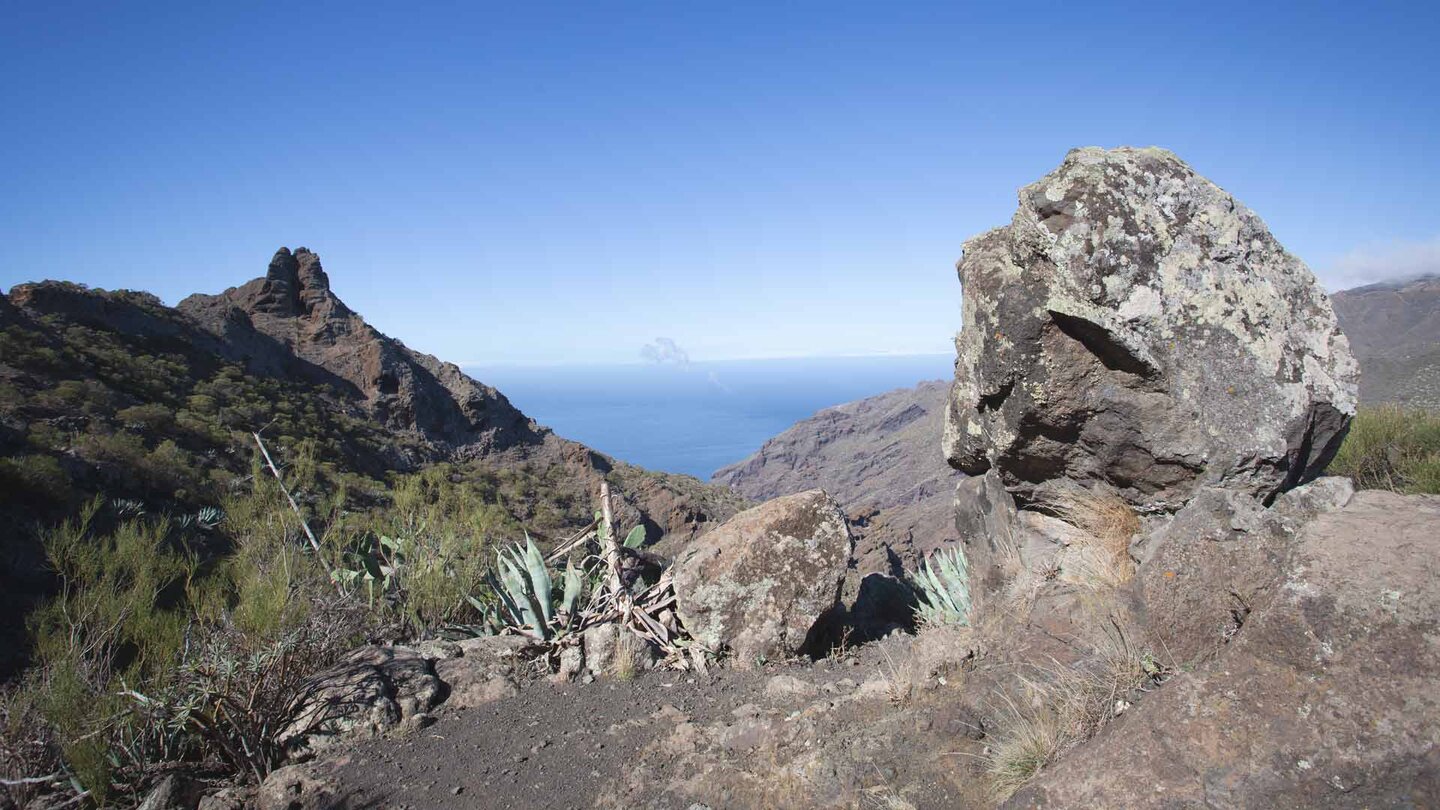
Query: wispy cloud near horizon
(1384, 261)
(665, 352)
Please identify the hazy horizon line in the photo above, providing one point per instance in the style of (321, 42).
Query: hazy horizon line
(699, 362)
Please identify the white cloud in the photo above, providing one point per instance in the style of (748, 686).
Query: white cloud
(1383, 262)
(665, 352)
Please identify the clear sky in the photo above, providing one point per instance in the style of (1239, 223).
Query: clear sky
(559, 183)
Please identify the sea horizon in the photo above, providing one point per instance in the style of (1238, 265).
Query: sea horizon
(695, 418)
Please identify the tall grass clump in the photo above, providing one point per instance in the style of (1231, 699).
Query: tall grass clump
(1062, 707)
(942, 588)
(1392, 447)
(1099, 550)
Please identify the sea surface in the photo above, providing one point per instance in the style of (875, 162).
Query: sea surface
(698, 417)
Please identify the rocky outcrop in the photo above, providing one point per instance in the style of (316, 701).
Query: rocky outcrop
(765, 584)
(1394, 331)
(877, 457)
(292, 306)
(1135, 325)
(1326, 698)
(1147, 388)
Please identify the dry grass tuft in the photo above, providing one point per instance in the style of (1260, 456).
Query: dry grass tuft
(1063, 707)
(1099, 552)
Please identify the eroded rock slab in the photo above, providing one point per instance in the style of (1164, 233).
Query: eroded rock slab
(1326, 698)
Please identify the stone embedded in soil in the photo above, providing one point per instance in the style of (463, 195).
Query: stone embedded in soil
(766, 583)
(372, 690)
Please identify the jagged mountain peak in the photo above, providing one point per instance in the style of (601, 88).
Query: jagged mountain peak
(292, 310)
(296, 284)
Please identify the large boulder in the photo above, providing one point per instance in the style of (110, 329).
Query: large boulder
(1135, 325)
(766, 583)
(1327, 697)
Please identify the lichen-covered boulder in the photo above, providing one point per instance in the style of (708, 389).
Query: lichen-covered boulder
(1135, 325)
(766, 582)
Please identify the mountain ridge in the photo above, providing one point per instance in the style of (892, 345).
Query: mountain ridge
(1394, 331)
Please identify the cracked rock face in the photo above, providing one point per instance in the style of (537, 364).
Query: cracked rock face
(1135, 325)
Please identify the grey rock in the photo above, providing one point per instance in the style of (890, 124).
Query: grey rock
(1135, 325)
(1207, 570)
(789, 687)
(612, 651)
(372, 690)
(303, 786)
(1321, 495)
(485, 672)
(223, 799)
(767, 582)
(572, 664)
(988, 524)
(174, 792)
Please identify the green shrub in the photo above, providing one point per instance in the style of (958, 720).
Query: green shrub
(108, 626)
(150, 654)
(33, 477)
(152, 417)
(1392, 447)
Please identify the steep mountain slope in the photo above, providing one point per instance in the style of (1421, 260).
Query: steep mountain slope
(1394, 331)
(877, 457)
(114, 393)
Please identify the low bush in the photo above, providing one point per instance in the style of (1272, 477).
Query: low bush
(1392, 447)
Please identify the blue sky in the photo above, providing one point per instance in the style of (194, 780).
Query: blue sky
(565, 182)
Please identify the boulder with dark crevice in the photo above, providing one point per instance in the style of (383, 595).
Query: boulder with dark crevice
(1136, 326)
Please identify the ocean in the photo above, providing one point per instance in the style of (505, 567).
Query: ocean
(696, 418)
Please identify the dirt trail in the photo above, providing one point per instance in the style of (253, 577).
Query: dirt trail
(555, 747)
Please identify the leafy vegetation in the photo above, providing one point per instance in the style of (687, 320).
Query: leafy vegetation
(1392, 447)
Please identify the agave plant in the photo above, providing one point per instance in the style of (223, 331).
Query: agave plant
(526, 592)
(206, 519)
(942, 588)
(209, 517)
(127, 508)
